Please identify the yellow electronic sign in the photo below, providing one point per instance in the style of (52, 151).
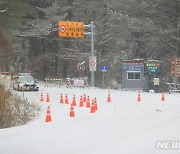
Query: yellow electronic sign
(71, 29)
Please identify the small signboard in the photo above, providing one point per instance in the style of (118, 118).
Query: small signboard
(71, 29)
(156, 81)
(175, 67)
(78, 82)
(104, 68)
(92, 63)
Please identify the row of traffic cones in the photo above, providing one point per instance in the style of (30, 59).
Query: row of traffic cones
(74, 102)
(139, 96)
(82, 99)
(62, 101)
(66, 101)
(93, 107)
(42, 98)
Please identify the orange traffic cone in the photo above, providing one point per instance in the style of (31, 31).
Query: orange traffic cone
(81, 102)
(109, 96)
(95, 103)
(139, 96)
(42, 98)
(47, 99)
(72, 112)
(61, 99)
(66, 99)
(163, 97)
(92, 107)
(88, 102)
(48, 116)
(74, 101)
(84, 99)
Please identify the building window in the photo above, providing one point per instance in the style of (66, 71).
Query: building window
(134, 75)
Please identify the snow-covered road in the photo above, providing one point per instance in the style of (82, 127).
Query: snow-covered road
(123, 126)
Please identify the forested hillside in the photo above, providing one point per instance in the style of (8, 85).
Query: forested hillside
(124, 29)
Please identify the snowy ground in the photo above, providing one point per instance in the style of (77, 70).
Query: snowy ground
(121, 127)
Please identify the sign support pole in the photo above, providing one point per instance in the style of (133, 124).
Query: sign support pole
(91, 26)
(103, 79)
(65, 30)
(92, 51)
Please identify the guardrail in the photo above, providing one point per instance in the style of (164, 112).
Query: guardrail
(70, 82)
(57, 81)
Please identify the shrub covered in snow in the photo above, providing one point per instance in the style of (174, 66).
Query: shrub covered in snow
(14, 110)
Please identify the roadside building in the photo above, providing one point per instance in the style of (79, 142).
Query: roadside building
(138, 73)
(133, 75)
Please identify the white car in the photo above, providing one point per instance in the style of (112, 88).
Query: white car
(25, 82)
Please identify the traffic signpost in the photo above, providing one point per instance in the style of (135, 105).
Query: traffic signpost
(76, 30)
(80, 67)
(92, 63)
(103, 69)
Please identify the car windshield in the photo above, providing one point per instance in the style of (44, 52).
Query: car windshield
(26, 78)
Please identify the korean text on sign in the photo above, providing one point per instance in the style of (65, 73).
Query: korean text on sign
(71, 29)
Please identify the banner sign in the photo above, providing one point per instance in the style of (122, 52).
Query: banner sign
(133, 67)
(71, 29)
